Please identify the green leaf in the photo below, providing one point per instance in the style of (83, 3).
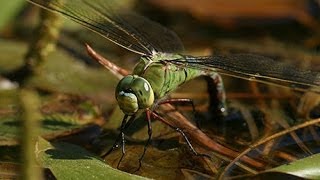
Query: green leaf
(67, 161)
(62, 73)
(51, 127)
(307, 168)
(9, 126)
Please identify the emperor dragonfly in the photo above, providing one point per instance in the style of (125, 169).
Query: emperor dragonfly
(161, 70)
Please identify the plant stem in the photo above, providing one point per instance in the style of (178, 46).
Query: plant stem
(30, 131)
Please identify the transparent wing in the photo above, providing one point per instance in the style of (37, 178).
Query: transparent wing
(160, 38)
(256, 68)
(129, 30)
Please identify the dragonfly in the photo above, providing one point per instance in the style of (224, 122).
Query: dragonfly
(162, 67)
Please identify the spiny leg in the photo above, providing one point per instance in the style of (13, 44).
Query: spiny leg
(183, 100)
(183, 135)
(124, 125)
(148, 113)
(123, 142)
(115, 144)
(190, 145)
(179, 100)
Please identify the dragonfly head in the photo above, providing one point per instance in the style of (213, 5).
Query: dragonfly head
(134, 93)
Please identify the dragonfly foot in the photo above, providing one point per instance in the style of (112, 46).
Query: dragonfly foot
(148, 112)
(190, 145)
(124, 125)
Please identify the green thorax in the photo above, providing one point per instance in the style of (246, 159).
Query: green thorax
(162, 75)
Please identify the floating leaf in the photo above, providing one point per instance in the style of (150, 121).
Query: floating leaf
(67, 161)
(306, 168)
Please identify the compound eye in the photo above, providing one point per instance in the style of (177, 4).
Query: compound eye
(134, 93)
(124, 84)
(143, 90)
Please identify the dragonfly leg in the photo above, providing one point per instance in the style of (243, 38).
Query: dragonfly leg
(115, 145)
(148, 112)
(190, 145)
(183, 135)
(182, 100)
(124, 125)
(123, 143)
